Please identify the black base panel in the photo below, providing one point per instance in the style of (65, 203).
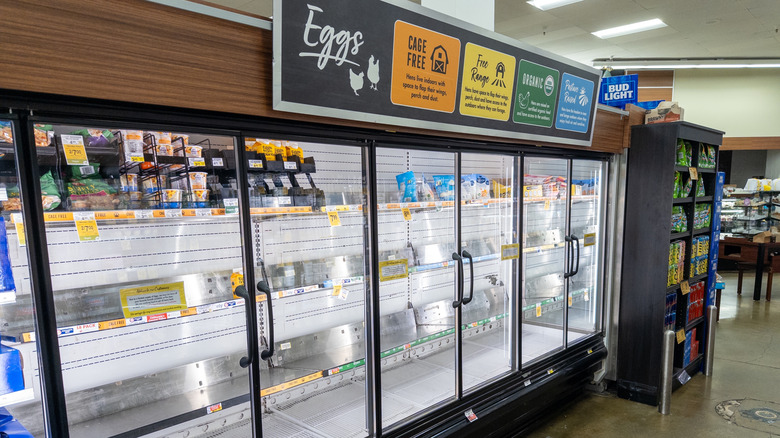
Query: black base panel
(637, 392)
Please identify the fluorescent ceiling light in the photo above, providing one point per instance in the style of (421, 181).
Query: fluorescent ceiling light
(551, 4)
(642, 26)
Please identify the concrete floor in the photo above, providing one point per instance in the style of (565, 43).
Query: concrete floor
(746, 375)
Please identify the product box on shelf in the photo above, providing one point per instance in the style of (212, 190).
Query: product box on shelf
(665, 112)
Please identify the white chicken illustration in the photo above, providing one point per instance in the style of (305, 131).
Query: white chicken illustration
(373, 72)
(356, 81)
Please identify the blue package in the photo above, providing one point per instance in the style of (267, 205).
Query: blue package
(6, 275)
(445, 187)
(407, 185)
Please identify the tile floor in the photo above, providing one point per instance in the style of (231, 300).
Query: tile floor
(746, 376)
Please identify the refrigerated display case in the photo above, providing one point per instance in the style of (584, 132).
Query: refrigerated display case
(211, 277)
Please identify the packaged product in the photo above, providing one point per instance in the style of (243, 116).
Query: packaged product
(407, 186)
(682, 153)
(474, 187)
(534, 191)
(133, 144)
(425, 192)
(200, 198)
(269, 150)
(129, 182)
(502, 188)
(198, 180)
(706, 156)
(6, 274)
(6, 132)
(677, 185)
(44, 134)
(88, 191)
(163, 143)
(193, 151)
(154, 183)
(445, 187)
(50, 195)
(686, 190)
(700, 188)
(95, 137)
(467, 188)
(279, 149)
(180, 143)
(171, 198)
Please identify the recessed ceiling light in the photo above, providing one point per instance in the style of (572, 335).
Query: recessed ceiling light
(642, 26)
(550, 4)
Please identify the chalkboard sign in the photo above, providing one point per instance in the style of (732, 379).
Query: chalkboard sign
(397, 63)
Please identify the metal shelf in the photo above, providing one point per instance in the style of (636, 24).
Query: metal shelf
(694, 323)
(687, 200)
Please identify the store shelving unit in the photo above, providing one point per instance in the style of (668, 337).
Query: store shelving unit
(746, 214)
(646, 260)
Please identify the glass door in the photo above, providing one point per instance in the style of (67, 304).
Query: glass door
(419, 269)
(20, 385)
(588, 236)
(545, 256)
(307, 209)
(144, 245)
(490, 247)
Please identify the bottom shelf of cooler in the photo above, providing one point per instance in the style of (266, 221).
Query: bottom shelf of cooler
(690, 370)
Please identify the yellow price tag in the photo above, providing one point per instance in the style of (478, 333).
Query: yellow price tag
(570, 300)
(538, 309)
(694, 173)
(19, 224)
(337, 289)
(680, 336)
(236, 280)
(407, 214)
(685, 287)
(86, 226)
(73, 146)
(333, 218)
(546, 204)
(137, 159)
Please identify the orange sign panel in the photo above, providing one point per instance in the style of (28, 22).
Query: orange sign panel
(425, 68)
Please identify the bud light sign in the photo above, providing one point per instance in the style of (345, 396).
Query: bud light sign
(619, 90)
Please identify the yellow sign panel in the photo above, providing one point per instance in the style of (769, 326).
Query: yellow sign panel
(590, 239)
(116, 323)
(510, 251)
(333, 218)
(151, 300)
(425, 68)
(680, 336)
(393, 269)
(486, 86)
(86, 226)
(75, 154)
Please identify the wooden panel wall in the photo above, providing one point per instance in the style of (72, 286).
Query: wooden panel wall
(750, 143)
(143, 52)
(655, 84)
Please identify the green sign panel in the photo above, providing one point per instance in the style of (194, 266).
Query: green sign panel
(537, 90)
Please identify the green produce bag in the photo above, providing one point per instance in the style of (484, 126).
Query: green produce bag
(50, 196)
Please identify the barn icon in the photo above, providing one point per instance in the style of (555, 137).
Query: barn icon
(440, 60)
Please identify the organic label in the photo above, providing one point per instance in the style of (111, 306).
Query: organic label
(333, 218)
(75, 154)
(153, 300)
(86, 226)
(537, 88)
(407, 214)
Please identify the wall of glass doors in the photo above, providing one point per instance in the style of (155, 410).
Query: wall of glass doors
(159, 238)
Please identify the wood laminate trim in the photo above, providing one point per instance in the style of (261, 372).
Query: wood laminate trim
(750, 143)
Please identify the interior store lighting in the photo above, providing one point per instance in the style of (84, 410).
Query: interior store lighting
(551, 4)
(684, 63)
(627, 29)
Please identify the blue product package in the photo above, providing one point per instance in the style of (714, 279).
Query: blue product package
(445, 187)
(6, 275)
(407, 185)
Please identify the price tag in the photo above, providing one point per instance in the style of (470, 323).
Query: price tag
(75, 154)
(284, 200)
(255, 164)
(333, 218)
(680, 336)
(19, 224)
(570, 300)
(290, 165)
(86, 226)
(217, 162)
(3, 194)
(201, 212)
(546, 204)
(197, 162)
(137, 159)
(407, 214)
(694, 173)
(337, 289)
(231, 206)
(470, 415)
(685, 287)
(144, 214)
(173, 213)
(586, 297)
(538, 309)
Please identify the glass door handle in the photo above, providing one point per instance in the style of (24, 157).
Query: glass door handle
(252, 343)
(262, 286)
(459, 259)
(577, 259)
(569, 258)
(471, 270)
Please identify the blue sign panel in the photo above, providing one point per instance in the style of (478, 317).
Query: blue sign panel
(715, 236)
(574, 104)
(619, 91)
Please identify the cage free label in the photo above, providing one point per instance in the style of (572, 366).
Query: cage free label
(486, 89)
(537, 88)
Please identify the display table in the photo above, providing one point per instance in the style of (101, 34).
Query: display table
(748, 253)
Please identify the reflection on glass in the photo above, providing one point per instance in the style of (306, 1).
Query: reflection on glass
(20, 388)
(417, 280)
(544, 252)
(488, 223)
(587, 226)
